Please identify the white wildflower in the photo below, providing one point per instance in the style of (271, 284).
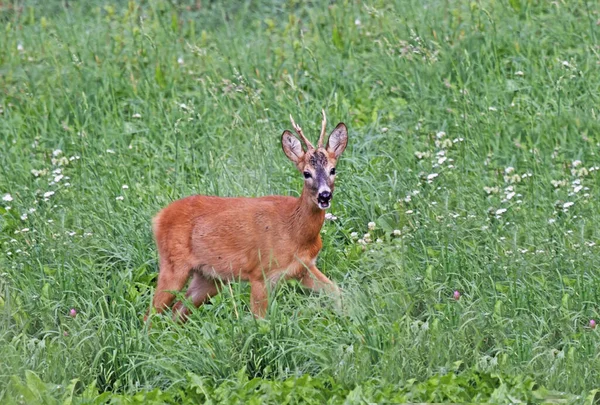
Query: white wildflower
(357, 21)
(568, 204)
(509, 170)
(38, 173)
(510, 195)
(500, 211)
(62, 161)
(397, 232)
(354, 235)
(577, 189)
(551, 221)
(25, 230)
(120, 198)
(180, 60)
(58, 178)
(515, 178)
(20, 47)
(492, 109)
(136, 115)
(519, 73)
(330, 217)
(48, 194)
(110, 151)
(57, 152)
(576, 163)
(24, 217)
(7, 197)
(431, 176)
(371, 226)
(440, 134)
(409, 212)
(124, 186)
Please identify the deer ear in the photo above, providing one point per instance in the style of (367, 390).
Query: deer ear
(338, 140)
(292, 147)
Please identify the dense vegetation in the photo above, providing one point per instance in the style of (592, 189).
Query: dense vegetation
(473, 151)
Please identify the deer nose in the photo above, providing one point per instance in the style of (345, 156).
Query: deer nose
(324, 196)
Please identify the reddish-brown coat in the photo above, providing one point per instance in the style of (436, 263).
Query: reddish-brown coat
(240, 238)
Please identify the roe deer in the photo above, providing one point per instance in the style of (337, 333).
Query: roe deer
(259, 240)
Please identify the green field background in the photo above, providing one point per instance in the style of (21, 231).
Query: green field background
(473, 148)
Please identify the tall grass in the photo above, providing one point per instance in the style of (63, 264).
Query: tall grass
(473, 148)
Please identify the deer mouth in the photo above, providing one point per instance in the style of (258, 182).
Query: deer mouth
(324, 206)
(323, 203)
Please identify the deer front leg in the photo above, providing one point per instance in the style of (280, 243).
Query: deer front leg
(258, 298)
(317, 281)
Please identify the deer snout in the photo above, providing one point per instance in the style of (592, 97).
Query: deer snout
(324, 199)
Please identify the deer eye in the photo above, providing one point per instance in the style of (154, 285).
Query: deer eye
(307, 175)
(332, 172)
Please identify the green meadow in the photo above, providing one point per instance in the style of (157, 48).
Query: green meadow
(464, 229)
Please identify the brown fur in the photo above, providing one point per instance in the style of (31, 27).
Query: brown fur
(258, 240)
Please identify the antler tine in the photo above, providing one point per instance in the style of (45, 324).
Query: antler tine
(299, 132)
(323, 126)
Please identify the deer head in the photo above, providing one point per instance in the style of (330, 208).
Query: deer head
(316, 164)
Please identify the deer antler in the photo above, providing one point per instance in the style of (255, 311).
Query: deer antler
(299, 132)
(323, 125)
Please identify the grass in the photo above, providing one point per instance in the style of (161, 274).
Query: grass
(474, 132)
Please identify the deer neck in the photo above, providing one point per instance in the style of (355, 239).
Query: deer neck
(306, 219)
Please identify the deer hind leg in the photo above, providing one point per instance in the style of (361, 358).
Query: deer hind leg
(171, 277)
(201, 289)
